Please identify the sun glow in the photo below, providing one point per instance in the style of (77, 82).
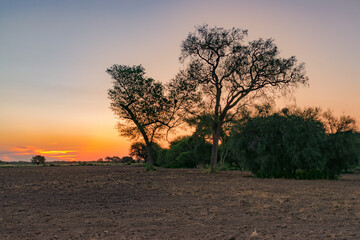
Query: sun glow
(51, 154)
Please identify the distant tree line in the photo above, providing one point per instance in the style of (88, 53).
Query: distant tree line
(116, 159)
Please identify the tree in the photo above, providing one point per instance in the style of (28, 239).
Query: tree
(336, 125)
(114, 159)
(342, 147)
(141, 105)
(138, 150)
(228, 72)
(38, 159)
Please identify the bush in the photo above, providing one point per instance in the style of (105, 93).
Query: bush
(127, 160)
(186, 152)
(342, 152)
(280, 145)
(296, 144)
(38, 159)
(149, 167)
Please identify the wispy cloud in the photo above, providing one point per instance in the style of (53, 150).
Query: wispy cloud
(52, 154)
(57, 152)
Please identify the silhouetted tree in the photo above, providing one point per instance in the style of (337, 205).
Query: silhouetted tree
(340, 124)
(138, 150)
(143, 107)
(342, 147)
(228, 71)
(114, 159)
(38, 159)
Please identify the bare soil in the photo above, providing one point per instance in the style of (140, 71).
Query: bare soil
(125, 202)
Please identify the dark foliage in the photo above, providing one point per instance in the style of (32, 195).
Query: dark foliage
(127, 159)
(139, 152)
(38, 159)
(114, 159)
(293, 144)
(187, 152)
(342, 152)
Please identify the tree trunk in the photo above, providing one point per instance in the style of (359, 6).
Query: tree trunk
(224, 154)
(150, 160)
(215, 146)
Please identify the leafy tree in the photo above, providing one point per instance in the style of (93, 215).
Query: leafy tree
(342, 147)
(38, 159)
(141, 105)
(138, 150)
(334, 125)
(229, 72)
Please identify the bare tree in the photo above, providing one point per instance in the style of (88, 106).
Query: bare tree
(228, 72)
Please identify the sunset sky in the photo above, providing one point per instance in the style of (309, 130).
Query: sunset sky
(53, 57)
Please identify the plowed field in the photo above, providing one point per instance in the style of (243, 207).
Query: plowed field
(125, 202)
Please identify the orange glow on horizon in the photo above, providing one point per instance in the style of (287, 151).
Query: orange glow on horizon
(57, 152)
(33, 150)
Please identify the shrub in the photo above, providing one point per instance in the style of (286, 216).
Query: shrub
(149, 167)
(280, 145)
(127, 160)
(296, 144)
(342, 152)
(186, 152)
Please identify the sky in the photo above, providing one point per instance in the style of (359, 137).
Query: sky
(54, 54)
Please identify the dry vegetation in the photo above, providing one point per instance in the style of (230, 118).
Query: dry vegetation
(125, 202)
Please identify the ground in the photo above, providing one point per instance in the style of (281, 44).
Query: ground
(125, 202)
